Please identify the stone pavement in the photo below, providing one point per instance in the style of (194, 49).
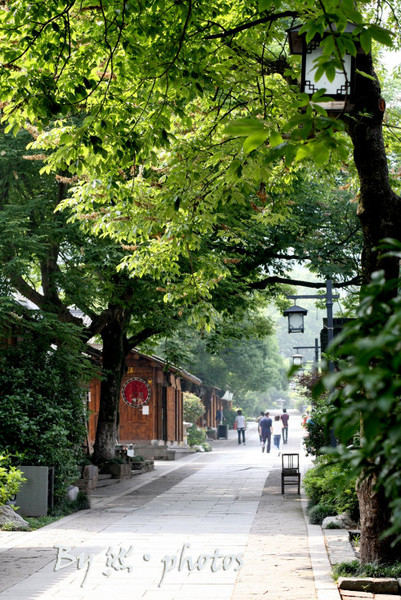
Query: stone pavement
(208, 525)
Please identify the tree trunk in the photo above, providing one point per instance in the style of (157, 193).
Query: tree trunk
(375, 519)
(379, 212)
(379, 207)
(113, 366)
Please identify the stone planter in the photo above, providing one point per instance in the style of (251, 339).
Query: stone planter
(117, 470)
(88, 481)
(374, 585)
(143, 466)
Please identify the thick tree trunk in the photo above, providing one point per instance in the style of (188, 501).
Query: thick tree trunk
(379, 212)
(375, 519)
(379, 208)
(113, 366)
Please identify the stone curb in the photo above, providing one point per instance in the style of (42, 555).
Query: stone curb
(326, 588)
(374, 585)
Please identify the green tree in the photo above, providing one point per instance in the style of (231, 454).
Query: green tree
(141, 120)
(366, 398)
(74, 275)
(240, 357)
(70, 276)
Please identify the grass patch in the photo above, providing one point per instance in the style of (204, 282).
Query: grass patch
(63, 509)
(38, 522)
(356, 569)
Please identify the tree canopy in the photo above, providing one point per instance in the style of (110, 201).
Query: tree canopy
(166, 137)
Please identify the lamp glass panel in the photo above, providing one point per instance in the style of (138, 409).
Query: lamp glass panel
(295, 322)
(297, 360)
(338, 87)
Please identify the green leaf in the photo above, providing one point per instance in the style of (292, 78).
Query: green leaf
(264, 5)
(366, 41)
(320, 153)
(275, 139)
(349, 45)
(303, 152)
(331, 72)
(319, 73)
(245, 127)
(363, 74)
(348, 8)
(255, 140)
(381, 35)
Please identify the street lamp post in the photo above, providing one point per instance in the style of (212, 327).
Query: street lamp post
(316, 348)
(290, 312)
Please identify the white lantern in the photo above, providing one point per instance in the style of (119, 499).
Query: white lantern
(297, 360)
(295, 316)
(341, 89)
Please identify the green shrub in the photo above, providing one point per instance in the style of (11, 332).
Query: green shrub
(196, 436)
(42, 410)
(68, 507)
(331, 487)
(193, 408)
(10, 479)
(229, 415)
(318, 512)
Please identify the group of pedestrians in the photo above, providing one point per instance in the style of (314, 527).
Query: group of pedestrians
(267, 427)
(278, 428)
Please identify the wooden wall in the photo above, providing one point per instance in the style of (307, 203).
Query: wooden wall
(165, 406)
(211, 402)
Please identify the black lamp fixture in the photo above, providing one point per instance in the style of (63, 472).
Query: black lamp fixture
(295, 316)
(342, 88)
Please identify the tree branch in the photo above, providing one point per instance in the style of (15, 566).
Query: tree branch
(264, 283)
(249, 25)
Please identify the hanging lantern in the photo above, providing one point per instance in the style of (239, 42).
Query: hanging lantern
(295, 316)
(297, 360)
(342, 88)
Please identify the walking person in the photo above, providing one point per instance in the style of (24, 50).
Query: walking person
(241, 426)
(284, 419)
(277, 429)
(265, 432)
(260, 417)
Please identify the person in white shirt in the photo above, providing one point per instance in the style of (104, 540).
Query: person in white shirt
(241, 426)
(277, 430)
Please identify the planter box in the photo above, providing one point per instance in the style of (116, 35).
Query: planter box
(143, 466)
(35, 496)
(373, 585)
(117, 470)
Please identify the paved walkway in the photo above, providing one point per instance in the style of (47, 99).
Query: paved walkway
(211, 525)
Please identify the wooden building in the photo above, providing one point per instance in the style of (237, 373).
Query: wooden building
(151, 405)
(212, 403)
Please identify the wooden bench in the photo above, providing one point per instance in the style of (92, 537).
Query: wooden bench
(290, 474)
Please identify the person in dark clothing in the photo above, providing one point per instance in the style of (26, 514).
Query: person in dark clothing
(265, 432)
(284, 419)
(260, 417)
